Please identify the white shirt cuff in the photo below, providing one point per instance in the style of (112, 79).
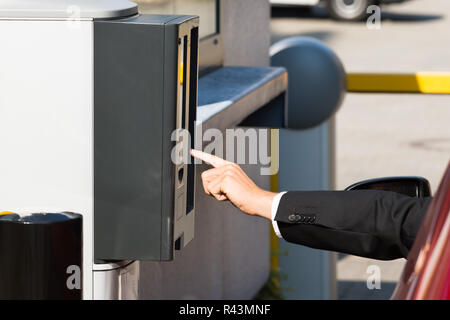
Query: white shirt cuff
(275, 203)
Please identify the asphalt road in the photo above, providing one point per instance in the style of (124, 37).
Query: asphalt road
(384, 134)
(413, 36)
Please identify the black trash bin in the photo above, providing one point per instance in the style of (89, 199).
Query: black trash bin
(41, 256)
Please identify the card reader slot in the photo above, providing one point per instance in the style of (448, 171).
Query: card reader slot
(192, 115)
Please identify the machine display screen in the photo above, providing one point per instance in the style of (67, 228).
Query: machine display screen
(207, 10)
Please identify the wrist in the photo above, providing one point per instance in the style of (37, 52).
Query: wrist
(264, 204)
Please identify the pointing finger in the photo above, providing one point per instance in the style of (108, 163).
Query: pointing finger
(209, 158)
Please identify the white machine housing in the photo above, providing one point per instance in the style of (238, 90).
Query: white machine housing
(47, 108)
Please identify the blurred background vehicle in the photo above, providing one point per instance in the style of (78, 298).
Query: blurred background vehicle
(353, 10)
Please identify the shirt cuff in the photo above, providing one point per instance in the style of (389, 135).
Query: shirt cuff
(275, 203)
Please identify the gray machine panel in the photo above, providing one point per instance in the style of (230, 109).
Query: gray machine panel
(136, 105)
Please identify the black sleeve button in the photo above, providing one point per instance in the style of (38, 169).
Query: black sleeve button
(291, 218)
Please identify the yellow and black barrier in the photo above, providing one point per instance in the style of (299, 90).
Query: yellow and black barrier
(420, 82)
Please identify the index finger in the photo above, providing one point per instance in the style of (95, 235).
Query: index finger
(209, 158)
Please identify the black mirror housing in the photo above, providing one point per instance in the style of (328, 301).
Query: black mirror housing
(410, 186)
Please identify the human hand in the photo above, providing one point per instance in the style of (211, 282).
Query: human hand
(227, 181)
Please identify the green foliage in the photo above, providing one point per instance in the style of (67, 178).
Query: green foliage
(272, 289)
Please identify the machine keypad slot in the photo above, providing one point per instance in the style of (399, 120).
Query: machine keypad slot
(184, 179)
(180, 175)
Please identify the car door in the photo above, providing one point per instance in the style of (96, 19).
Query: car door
(426, 275)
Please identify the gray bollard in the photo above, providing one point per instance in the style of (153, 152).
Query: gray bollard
(317, 86)
(317, 80)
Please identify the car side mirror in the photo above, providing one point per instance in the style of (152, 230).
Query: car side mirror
(410, 186)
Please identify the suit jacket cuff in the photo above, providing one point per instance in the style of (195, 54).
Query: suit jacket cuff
(275, 204)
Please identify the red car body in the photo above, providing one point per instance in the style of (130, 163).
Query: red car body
(426, 275)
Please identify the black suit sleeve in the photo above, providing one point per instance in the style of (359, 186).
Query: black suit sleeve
(375, 224)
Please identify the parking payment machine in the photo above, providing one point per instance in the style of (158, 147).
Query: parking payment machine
(91, 95)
